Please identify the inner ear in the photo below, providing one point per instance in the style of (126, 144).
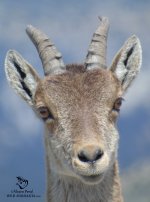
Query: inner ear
(23, 76)
(129, 53)
(20, 71)
(26, 89)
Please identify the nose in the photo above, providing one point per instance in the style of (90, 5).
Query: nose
(90, 154)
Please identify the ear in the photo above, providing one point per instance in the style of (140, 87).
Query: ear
(21, 76)
(127, 62)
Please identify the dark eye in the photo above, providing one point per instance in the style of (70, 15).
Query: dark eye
(118, 104)
(45, 113)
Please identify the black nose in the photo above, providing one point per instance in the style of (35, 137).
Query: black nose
(88, 155)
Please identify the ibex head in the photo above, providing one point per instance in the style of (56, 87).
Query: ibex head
(79, 104)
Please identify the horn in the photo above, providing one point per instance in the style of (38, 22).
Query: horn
(96, 57)
(51, 59)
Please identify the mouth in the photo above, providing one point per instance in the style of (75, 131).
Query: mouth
(92, 179)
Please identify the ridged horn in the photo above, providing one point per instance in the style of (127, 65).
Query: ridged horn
(51, 58)
(96, 57)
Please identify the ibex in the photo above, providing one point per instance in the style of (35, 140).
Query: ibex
(79, 105)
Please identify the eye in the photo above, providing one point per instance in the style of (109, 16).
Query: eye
(45, 113)
(118, 104)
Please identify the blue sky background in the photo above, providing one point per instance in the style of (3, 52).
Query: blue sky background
(70, 24)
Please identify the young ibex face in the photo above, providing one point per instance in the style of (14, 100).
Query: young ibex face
(79, 104)
(80, 111)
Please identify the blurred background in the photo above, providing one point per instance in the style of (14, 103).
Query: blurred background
(70, 25)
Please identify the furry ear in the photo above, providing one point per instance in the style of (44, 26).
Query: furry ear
(21, 76)
(127, 62)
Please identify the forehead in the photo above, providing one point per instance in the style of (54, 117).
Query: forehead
(87, 86)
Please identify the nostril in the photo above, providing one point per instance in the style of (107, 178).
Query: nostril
(98, 154)
(83, 156)
(90, 157)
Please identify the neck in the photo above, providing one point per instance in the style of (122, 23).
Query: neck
(69, 189)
